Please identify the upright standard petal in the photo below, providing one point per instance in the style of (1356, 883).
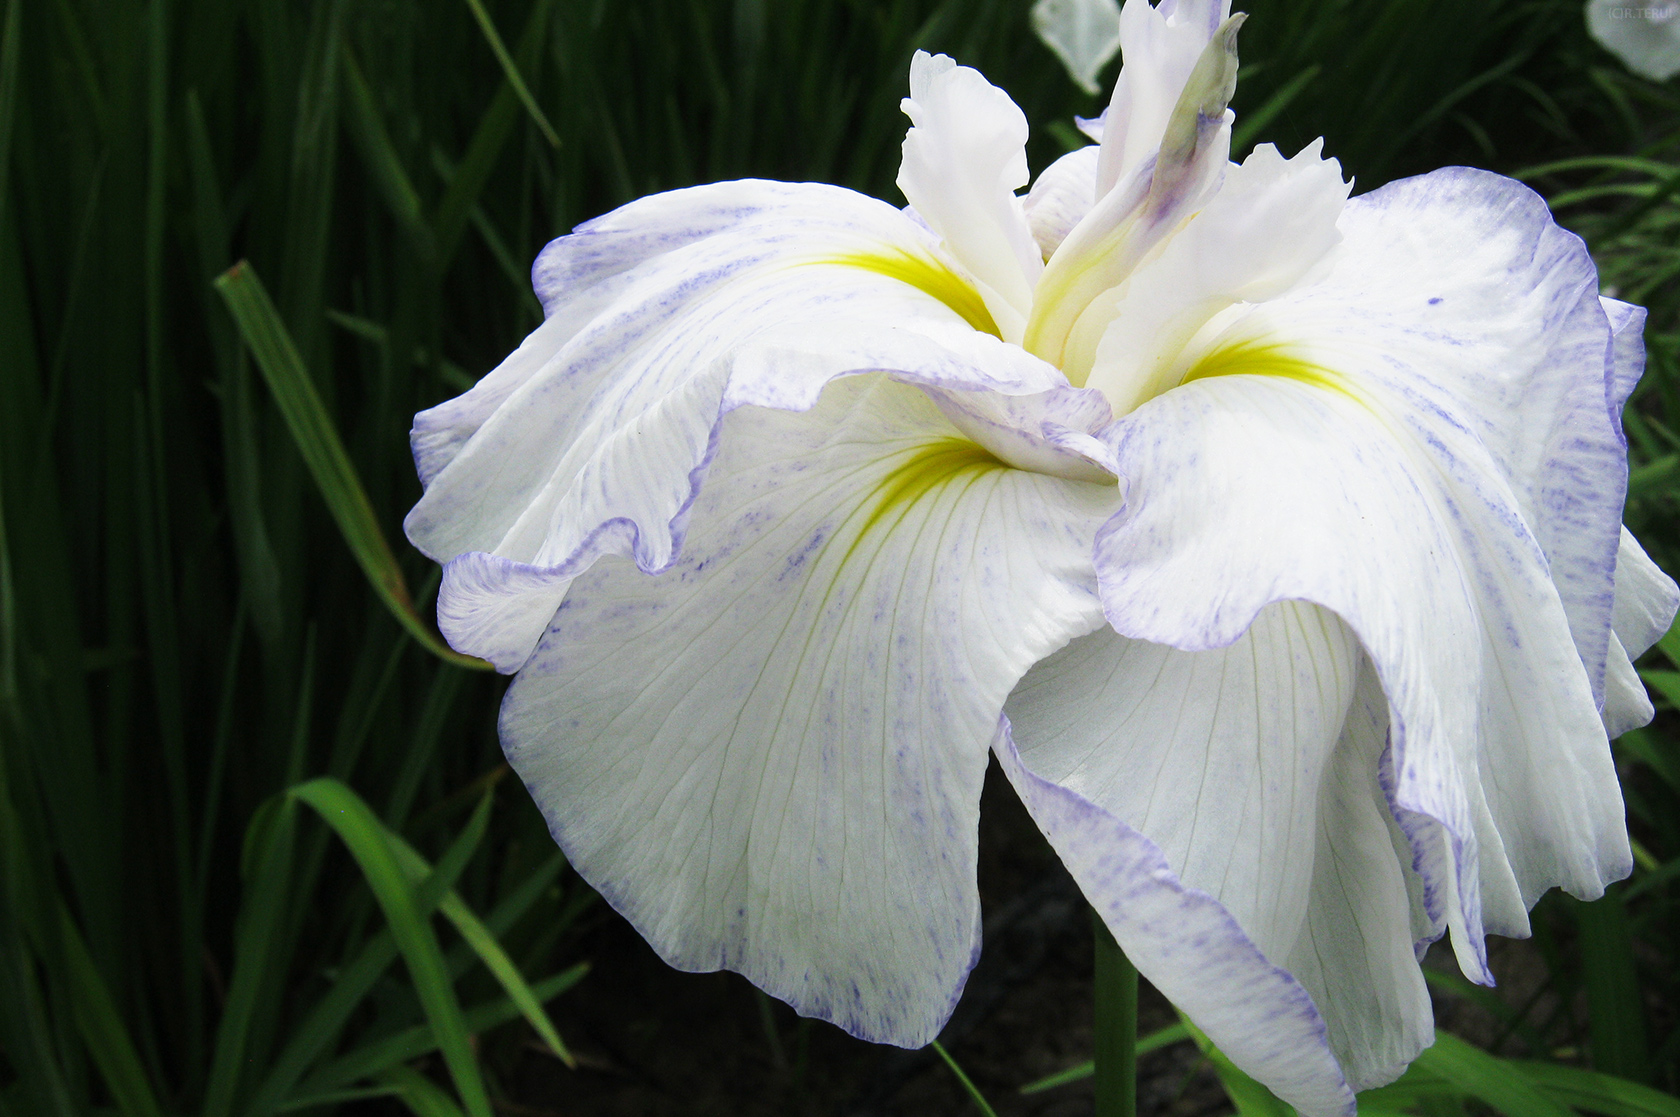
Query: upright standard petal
(769, 756)
(964, 158)
(1134, 215)
(1159, 48)
(1271, 223)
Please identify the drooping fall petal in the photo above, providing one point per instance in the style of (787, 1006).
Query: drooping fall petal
(768, 756)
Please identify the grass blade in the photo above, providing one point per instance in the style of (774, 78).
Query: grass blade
(1255, 122)
(484, 944)
(268, 859)
(336, 1097)
(473, 171)
(1172, 1033)
(1657, 753)
(258, 567)
(317, 440)
(1413, 1092)
(968, 1085)
(379, 155)
(511, 71)
(1665, 683)
(11, 43)
(325, 1022)
(1487, 1079)
(369, 843)
(414, 1042)
(40, 1087)
(1490, 1002)
(102, 1029)
(1596, 1092)
(419, 1093)
(1615, 1008)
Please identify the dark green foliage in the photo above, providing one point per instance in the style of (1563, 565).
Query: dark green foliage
(190, 652)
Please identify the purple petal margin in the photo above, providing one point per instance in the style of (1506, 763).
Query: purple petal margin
(1188, 945)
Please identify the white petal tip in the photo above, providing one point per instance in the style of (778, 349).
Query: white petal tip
(1084, 34)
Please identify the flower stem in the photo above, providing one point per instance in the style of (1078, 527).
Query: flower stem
(1115, 983)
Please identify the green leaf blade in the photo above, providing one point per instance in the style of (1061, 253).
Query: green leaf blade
(366, 838)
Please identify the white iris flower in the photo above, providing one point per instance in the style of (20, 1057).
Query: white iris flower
(1644, 34)
(1269, 539)
(1084, 34)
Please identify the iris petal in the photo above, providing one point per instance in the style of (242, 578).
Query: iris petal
(769, 756)
(964, 158)
(1450, 506)
(1254, 769)
(590, 440)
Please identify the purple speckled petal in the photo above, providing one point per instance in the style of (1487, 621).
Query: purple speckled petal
(1646, 599)
(593, 438)
(1061, 196)
(1627, 355)
(1056, 431)
(1188, 945)
(577, 278)
(769, 755)
(1522, 359)
(1499, 336)
(1449, 489)
(1254, 770)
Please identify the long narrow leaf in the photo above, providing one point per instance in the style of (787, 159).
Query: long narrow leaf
(1254, 123)
(511, 71)
(325, 1022)
(1409, 1094)
(268, 858)
(1666, 683)
(336, 1097)
(484, 944)
(1615, 1005)
(317, 440)
(473, 171)
(11, 43)
(414, 1042)
(102, 1028)
(379, 155)
(368, 842)
(1172, 1033)
(1489, 1002)
(419, 1093)
(1659, 753)
(25, 1035)
(967, 1083)
(1600, 1093)
(1487, 1079)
